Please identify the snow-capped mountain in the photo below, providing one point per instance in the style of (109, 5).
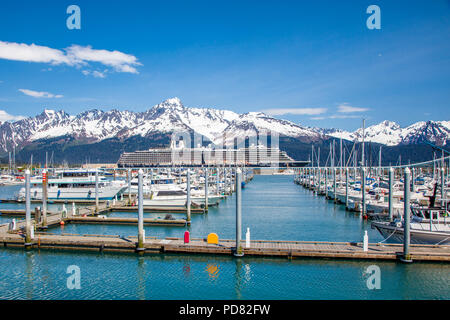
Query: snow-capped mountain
(391, 134)
(219, 126)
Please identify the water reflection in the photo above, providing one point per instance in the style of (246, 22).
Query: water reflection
(29, 263)
(213, 270)
(238, 279)
(141, 278)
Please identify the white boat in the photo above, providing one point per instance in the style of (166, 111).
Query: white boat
(176, 198)
(420, 233)
(287, 172)
(155, 183)
(74, 185)
(9, 180)
(428, 226)
(165, 198)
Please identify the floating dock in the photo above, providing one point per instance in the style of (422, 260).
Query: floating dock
(19, 213)
(124, 221)
(156, 209)
(288, 249)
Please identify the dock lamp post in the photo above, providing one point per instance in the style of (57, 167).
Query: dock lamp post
(239, 252)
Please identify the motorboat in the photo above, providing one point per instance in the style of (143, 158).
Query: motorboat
(75, 184)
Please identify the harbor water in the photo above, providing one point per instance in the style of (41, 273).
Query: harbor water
(274, 208)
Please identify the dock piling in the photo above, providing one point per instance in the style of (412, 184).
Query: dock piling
(141, 240)
(44, 199)
(391, 196)
(406, 218)
(346, 188)
(96, 191)
(206, 188)
(129, 185)
(27, 210)
(442, 187)
(363, 191)
(238, 252)
(188, 191)
(334, 185)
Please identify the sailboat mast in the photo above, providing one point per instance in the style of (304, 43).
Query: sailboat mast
(379, 160)
(340, 153)
(363, 134)
(318, 157)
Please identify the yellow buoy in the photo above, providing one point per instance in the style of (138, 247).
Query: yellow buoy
(212, 238)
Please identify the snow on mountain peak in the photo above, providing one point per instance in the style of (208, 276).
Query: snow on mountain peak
(173, 101)
(220, 126)
(390, 133)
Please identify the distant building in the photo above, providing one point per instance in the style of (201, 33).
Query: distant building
(251, 156)
(99, 165)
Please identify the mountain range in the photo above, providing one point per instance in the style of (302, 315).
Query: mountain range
(104, 131)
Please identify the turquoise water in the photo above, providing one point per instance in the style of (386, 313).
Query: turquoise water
(273, 208)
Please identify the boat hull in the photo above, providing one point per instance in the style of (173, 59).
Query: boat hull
(396, 235)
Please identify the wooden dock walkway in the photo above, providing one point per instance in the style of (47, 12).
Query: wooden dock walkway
(96, 215)
(19, 213)
(288, 249)
(124, 221)
(157, 209)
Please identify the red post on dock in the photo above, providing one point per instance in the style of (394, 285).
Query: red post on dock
(186, 237)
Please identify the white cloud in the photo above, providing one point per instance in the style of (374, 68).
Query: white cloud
(297, 111)
(5, 116)
(40, 94)
(345, 108)
(120, 61)
(32, 53)
(96, 74)
(74, 55)
(339, 116)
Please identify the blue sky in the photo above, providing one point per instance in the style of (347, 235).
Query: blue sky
(312, 62)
